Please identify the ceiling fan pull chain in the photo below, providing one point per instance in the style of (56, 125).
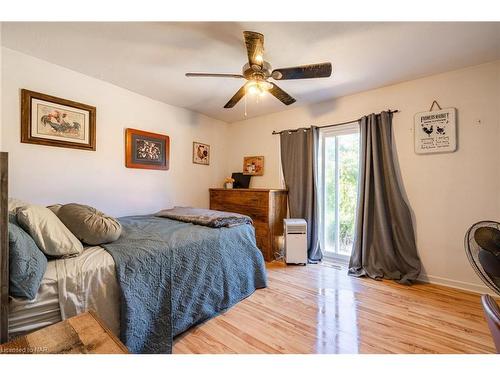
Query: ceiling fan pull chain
(245, 98)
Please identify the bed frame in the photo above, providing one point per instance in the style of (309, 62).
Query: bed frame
(4, 248)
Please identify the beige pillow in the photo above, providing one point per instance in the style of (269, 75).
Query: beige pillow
(14, 204)
(55, 208)
(49, 233)
(89, 225)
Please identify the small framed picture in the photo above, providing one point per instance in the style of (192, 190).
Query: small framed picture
(253, 165)
(145, 150)
(201, 153)
(51, 121)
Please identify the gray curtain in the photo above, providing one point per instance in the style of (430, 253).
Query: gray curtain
(384, 244)
(299, 161)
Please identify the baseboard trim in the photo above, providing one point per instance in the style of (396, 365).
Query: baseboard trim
(469, 287)
(462, 285)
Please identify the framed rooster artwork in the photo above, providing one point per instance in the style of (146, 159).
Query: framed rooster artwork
(201, 153)
(51, 121)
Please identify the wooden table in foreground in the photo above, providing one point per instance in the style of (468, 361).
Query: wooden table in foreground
(81, 334)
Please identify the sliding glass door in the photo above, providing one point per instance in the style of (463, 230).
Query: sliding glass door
(338, 180)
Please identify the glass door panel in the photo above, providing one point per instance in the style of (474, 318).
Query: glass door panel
(339, 163)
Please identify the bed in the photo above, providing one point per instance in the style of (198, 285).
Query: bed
(69, 287)
(159, 279)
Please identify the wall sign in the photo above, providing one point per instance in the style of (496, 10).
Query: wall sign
(435, 131)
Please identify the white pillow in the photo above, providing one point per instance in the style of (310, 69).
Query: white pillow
(15, 203)
(49, 233)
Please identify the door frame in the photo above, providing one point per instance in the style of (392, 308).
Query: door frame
(333, 131)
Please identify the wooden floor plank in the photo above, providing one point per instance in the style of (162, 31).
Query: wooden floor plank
(319, 309)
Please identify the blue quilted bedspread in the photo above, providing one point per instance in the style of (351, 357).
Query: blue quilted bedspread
(173, 275)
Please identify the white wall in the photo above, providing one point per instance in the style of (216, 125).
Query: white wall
(47, 175)
(447, 192)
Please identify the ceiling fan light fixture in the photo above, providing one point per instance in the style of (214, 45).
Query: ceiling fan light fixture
(260, 87)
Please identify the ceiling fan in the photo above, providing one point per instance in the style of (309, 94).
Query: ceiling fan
(257, 72)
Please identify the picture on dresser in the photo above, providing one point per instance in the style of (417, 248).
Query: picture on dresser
(253, 165)
(145, 150)
(201, 153)
(51, 121)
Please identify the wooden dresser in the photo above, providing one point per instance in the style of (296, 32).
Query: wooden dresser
(266, 207)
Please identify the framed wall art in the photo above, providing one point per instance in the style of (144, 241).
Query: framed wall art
(145, 150)
(201, 153)
(51, 121)
(253, 165)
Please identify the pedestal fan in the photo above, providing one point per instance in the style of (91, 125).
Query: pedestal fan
(482, 246)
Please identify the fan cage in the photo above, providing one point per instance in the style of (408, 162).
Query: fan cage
(472, 251)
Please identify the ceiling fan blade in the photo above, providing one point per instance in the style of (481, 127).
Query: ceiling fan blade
(281, 95)
(303, 71)
(228, 75)
(255, 47)
(236, 97)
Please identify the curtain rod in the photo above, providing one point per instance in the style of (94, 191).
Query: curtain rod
(328, 126)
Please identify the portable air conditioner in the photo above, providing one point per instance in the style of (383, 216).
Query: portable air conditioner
(295, 241)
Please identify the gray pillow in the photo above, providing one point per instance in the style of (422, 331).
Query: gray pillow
(27, 263)
(88, 224)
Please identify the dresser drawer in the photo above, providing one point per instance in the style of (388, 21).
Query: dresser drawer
(253, 204)
(237, 197)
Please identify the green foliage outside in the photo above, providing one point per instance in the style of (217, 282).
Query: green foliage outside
(348, 182)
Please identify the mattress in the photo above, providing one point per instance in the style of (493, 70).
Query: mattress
(69, 287)
(29, 315)
(88, 282)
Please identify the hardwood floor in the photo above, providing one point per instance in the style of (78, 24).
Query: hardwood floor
(319, 309)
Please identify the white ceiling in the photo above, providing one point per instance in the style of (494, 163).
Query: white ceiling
(151, 58)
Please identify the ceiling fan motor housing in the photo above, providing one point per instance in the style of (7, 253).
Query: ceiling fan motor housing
(256, 72)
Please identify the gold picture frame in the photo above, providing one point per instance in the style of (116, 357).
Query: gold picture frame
(253, 165)
(51, 121)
